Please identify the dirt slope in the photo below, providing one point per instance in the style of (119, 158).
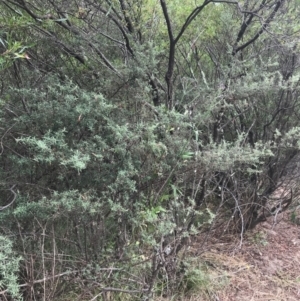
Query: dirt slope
(265, 268)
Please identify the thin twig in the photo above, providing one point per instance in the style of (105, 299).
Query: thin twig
(14, 198)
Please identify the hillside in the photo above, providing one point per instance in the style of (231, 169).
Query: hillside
(265, 268)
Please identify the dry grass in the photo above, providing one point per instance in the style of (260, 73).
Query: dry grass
(266, 268)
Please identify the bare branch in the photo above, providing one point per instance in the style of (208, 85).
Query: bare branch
(190, 18)
(167, 19)
(13, 200)
(263, 28)
(120, 26)
(42, 280)
(76, 32)
(246, 23)
(113, 289)
(124, 7)
(1, 141)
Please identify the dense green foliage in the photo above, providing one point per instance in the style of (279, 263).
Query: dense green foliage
(129, 127)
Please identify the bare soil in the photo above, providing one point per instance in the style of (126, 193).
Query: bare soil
(263, 266)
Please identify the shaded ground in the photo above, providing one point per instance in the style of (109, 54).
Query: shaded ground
(263, 264)
(265, 268)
